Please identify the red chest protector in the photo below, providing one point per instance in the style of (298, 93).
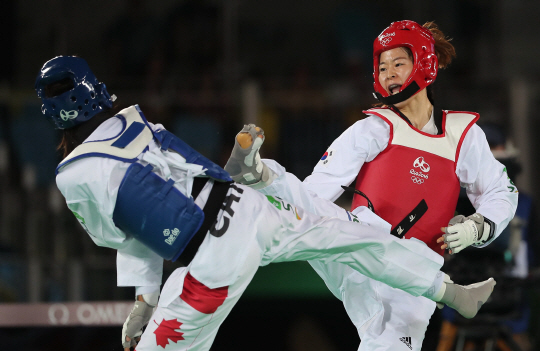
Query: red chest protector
(412, 184)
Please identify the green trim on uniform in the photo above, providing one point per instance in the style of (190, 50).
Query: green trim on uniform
(274, 202)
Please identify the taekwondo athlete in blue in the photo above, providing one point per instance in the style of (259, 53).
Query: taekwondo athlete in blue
(139, 189)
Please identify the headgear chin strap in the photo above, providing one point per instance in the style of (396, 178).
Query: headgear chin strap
(419, 40)
(85, 98)
(403, 95)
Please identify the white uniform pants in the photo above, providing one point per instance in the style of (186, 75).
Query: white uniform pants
(254, 230)
(386, 318)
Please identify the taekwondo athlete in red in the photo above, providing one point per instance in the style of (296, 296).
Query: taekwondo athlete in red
(410, 160)
(142, 191)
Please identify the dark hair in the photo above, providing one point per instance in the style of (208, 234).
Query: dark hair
(73, 137)
(444, 50)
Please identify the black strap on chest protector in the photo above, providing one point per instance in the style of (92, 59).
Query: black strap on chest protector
(407, 223)
(211, 209)
(358, 192)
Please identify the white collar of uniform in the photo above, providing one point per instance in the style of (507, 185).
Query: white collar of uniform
(106, 130)
(430, 126)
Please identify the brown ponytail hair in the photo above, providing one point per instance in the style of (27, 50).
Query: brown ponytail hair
(443, 49)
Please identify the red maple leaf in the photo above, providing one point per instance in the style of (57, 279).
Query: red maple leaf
(166, 330)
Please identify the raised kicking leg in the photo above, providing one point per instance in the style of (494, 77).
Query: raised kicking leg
(246, 166)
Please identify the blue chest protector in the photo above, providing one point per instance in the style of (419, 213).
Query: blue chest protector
(154, 212)
(149, 208)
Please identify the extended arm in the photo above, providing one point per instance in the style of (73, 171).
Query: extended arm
(340, 165)
(490, 190)
(137, 265)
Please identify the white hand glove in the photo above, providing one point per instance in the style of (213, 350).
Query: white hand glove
(466, 231)
(137, 319)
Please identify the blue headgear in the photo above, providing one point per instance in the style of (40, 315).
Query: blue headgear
(87, 98)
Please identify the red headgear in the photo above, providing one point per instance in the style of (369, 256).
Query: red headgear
(422, 44)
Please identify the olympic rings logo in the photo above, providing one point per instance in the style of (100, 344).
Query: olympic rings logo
(385, 41)
(417, 180)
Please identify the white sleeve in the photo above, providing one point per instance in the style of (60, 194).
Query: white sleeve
(340, 165)
(101, 229)
(488, 186)
(137, 265)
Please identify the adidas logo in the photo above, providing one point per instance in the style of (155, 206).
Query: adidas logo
(407, 341)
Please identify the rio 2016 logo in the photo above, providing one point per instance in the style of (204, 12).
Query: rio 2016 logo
(386, 38)
(424, 167)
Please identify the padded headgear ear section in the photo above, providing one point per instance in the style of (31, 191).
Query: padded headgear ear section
(407, 34)
(429, 66)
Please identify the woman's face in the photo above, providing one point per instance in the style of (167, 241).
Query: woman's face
(395, 66)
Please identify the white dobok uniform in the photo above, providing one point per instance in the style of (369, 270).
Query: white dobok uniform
(387, 318)
(259, 230)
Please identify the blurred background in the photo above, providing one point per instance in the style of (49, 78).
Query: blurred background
(301, 69)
